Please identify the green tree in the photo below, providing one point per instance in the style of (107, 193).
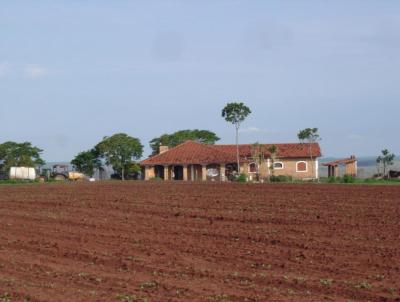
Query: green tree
(386, 160)
(14, 154)
(236, 113)
(87, 161)
(120, 151)
(179, 137)
(309, 136)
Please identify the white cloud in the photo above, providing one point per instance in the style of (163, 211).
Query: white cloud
(34, 71)
(3, 69)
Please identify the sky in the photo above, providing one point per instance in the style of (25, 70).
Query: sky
(72, 72)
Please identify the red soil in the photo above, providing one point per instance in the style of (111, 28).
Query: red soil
(138, 241)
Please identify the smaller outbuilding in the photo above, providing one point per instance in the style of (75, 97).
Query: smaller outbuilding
(349, 163)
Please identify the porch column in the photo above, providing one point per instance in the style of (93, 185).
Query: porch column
(185, 172)
(203, 172)
(166, 176)
(222, 171)
(336, 169)
(146, 173)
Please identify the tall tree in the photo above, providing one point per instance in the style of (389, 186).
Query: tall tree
(273, 151)
(120, 151)
(87, 161)
(179, 137)
(386, 160)
(310, 136)
(236, 113)
(14, 154)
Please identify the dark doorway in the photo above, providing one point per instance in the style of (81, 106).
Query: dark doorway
(159, 171)
(178, 173)
(231, 171)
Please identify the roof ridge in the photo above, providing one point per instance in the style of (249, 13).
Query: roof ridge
(250, 144)
(172, 148)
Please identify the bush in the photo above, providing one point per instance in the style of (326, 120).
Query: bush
(242, 178)
(347, 179)
(281, 178)
(332, 179)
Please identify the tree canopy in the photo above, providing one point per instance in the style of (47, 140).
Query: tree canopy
(14, 154)
(87, 161)
(179, 137)
(309, 135)
(386, 159)
(235, 113)
(120, 151)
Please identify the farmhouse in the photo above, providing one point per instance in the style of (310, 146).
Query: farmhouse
(193, 161)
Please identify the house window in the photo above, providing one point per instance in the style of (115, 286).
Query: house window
(252, 168)
(278, 165)
(301, 166)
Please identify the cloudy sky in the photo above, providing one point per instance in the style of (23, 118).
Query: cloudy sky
(72, 72)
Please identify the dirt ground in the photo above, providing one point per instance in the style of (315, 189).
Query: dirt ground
(157, 241)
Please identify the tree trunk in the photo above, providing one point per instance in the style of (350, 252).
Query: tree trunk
(237, 149)
(123, 173)
(311, 157)
(384, 169)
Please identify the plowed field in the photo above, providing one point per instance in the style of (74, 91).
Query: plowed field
(156, 241)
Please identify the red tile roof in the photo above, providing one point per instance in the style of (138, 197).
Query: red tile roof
(191, 152)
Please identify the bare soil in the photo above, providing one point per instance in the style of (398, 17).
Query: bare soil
(157, 241)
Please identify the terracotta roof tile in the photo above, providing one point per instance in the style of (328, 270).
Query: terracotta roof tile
(191, 152)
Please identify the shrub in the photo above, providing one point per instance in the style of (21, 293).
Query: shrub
(348, 179)
(332, 179)
(242, 178)
(281, 178)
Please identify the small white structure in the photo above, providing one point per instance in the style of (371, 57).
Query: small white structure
(24, 173)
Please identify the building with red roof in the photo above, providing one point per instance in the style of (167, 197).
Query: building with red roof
(194, 161)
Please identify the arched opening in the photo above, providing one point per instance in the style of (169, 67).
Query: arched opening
(301, 166)
(213, 172)
(253, 168)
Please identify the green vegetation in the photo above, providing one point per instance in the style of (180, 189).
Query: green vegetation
(385, 160)
(326, 282)
(179, 137)
(87, 161)
(236, 113)
(14, 154)
(281, 178)
(309, 136)
(120, 151)
(351, 180)
(242, 178)
(17, 182)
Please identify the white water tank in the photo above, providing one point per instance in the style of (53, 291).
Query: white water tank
(22, 173)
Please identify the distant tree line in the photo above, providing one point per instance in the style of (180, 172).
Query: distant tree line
(122, 152)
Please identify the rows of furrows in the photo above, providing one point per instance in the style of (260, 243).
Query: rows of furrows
(149, 241)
